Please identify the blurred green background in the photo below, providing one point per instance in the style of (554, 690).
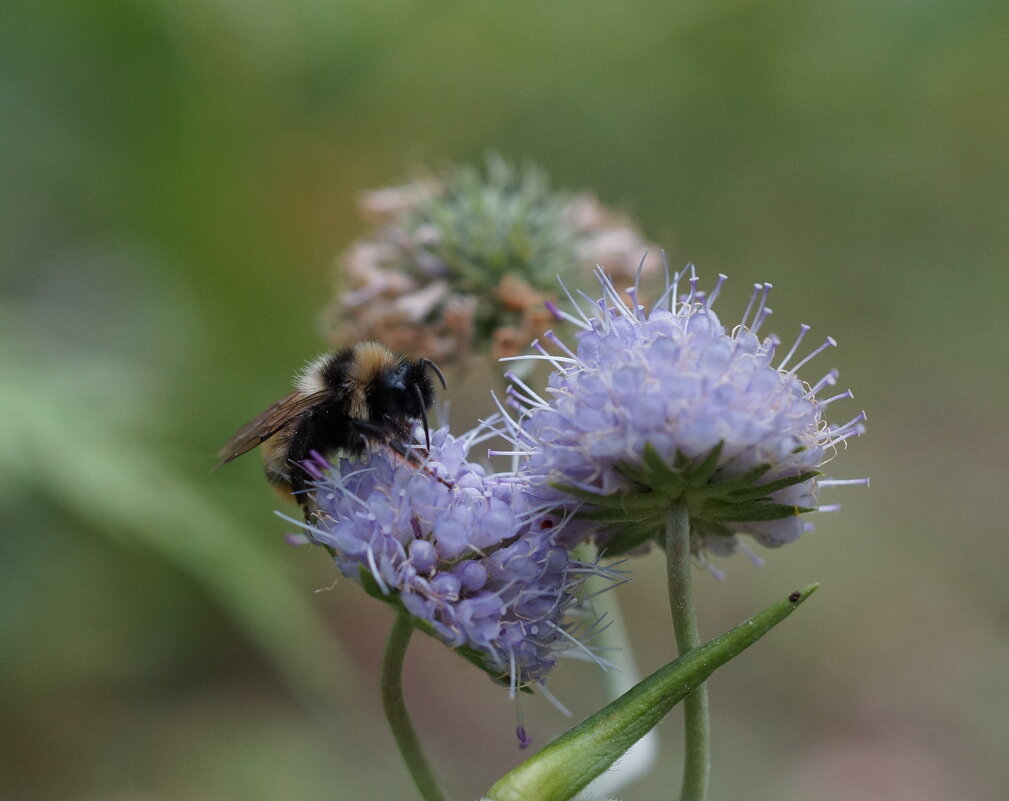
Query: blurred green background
(177, 179)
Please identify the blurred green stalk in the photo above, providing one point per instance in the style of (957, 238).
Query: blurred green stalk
(395, 709)
(697, 756)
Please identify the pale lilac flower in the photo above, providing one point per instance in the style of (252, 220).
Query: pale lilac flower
(465, 553)
(667, 405)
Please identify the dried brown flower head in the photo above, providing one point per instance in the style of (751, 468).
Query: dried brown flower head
(466, 263)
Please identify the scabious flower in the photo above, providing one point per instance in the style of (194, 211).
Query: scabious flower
(663, 406)
(464, 263)
(464, 552)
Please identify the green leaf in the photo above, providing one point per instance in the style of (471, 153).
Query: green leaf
(575, 758)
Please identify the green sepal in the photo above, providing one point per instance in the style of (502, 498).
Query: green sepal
(637, 516)
(583, 495)
(569, 763)
(755, 511)
(763, 490)
(608, 515)
(630, 536)
(662, 477)
(726, 486)
(618, 501)
(701, 474)
(707, 528)
(374, 589)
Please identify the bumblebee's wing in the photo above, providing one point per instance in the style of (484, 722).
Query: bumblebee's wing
(262, 427)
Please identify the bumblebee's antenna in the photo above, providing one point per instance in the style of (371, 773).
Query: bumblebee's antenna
(423, 415)
(435, 369)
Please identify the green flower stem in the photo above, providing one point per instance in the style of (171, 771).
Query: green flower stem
(697, 760)
(395, 709)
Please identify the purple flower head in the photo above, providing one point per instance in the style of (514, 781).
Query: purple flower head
(467, 554)
(667, 406)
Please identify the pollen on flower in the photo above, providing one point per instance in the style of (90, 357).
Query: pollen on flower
(665, 404)
(468, 554)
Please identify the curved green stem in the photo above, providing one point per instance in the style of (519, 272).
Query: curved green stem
(697, 761)
(395, 709)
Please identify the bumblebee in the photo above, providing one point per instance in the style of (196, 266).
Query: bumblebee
(362, 396)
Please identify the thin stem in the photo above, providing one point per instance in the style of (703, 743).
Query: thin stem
(697, 762)
(395, 709)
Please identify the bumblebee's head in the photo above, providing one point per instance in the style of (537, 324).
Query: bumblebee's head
(405, 392)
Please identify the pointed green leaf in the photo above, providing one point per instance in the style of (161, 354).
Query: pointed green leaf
(575, 758)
